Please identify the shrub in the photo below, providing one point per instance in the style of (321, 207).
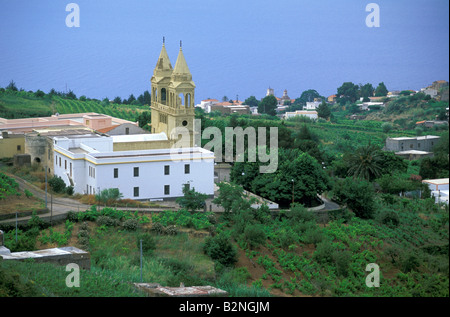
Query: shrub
(158, 228)
(219, 248)
(107, 221)
(171, 230)
(72, 216)
(148, 243)
(324, 252)
(254, 235)
(69, 190)
(57, 184)
(131, 224)
(389, 218)
(28, 194)
(342, 260)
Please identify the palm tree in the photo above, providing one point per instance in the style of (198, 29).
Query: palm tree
(365, 162)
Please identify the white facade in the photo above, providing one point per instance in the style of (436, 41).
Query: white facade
(90, 165)
(312, 105)
(439, 189)
(310, 114)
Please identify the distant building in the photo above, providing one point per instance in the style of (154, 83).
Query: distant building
(365, 106)
(229, 108)
(90, 164)
(312, 105)
(412, 155)
(123, 129)
(332, 99)
(420, 143)
(439, 189)
(310, 114)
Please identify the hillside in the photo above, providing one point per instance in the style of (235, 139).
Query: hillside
(22, 104)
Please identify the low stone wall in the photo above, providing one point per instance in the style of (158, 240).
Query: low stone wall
(156, 290)
(59, 256)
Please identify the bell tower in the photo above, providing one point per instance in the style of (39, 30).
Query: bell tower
(173, 98)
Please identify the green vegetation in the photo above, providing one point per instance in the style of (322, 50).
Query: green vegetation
(8, 186)
(386, 215)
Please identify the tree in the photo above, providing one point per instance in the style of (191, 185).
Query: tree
(39, 93)
(231, 198)
(144, 119)
(219, 248)
(381, 90)
(147, 98)
(348, 92)
(117, 100)
(251, 101)
(366, 91)
(105, 102)
(131, 99)
(191, 199)
(308, 96)
(12, 86)
(57, 184)
(224, 98)
(308, 175)
(140, 99)
(365, 163)
(357, 194)
(268, 105)
(71, 95)
(323, 111)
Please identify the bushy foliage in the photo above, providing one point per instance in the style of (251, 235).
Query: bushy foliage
(57, 184)
(220, 249)
(357, 195)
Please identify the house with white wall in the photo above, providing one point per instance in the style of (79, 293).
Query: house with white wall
(90, 165)
(439, 189)
(310, 114)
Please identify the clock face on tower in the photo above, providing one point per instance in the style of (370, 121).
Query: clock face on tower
(184, 123)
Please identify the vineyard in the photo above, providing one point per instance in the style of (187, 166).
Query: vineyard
(8, 186)
(22, 104)
(65, 106)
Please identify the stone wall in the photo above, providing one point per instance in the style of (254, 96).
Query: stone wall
(59, 256)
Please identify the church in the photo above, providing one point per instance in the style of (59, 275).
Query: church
(155, 166)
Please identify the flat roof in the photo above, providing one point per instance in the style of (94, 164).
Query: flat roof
(416, 138)
(139, 137)
(440, 181)
(412, 152)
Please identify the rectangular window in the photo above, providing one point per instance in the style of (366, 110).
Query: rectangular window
(187, 186)
(19, 148)
(187, 168)
(166, 170)
(136, 191)
(116, 173)
(166, 189)
(59, 161)
(70, 169)
(136, 172)
(65, 164)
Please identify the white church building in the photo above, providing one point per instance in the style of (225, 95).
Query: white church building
(147, 166)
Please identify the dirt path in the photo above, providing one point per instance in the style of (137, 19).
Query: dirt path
(58, 207)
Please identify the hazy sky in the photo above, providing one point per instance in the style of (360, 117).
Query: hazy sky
(232, 47)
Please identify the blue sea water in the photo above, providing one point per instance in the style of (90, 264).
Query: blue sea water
(233, 48)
